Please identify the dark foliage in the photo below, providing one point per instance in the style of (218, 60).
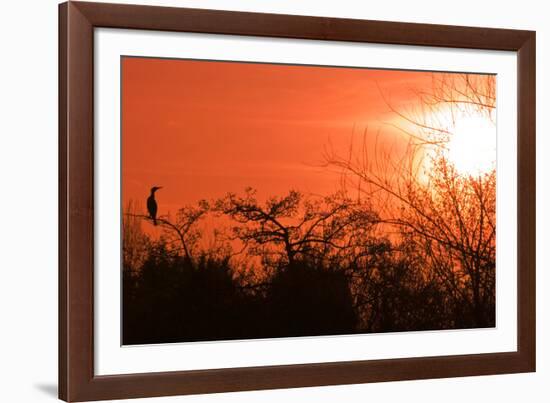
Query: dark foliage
(308, 300)
(173, 300)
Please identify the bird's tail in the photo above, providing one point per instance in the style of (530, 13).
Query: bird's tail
(154, 221)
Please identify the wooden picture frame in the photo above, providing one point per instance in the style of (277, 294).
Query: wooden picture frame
(77, 381)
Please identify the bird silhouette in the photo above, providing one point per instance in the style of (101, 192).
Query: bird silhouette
(152, 204)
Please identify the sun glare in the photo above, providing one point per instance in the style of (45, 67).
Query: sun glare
(472, 145)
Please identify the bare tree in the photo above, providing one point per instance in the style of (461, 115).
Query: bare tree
(294, 226)
(449, 216)
(183, 233)
(136, 242)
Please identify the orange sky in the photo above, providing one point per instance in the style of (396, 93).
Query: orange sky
(201, 129)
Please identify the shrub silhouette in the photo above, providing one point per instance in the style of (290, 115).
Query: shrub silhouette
(307, 300)
(174, 300)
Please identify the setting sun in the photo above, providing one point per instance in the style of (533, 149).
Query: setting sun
(472, 145)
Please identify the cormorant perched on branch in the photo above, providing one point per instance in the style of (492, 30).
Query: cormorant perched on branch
(152, 204)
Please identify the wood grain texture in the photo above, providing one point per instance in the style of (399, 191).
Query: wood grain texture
(292, 26)
(76, 349)
(526, 200)
(76, 209)
(62, 207)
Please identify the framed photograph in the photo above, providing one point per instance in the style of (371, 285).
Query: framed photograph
(255, 201)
